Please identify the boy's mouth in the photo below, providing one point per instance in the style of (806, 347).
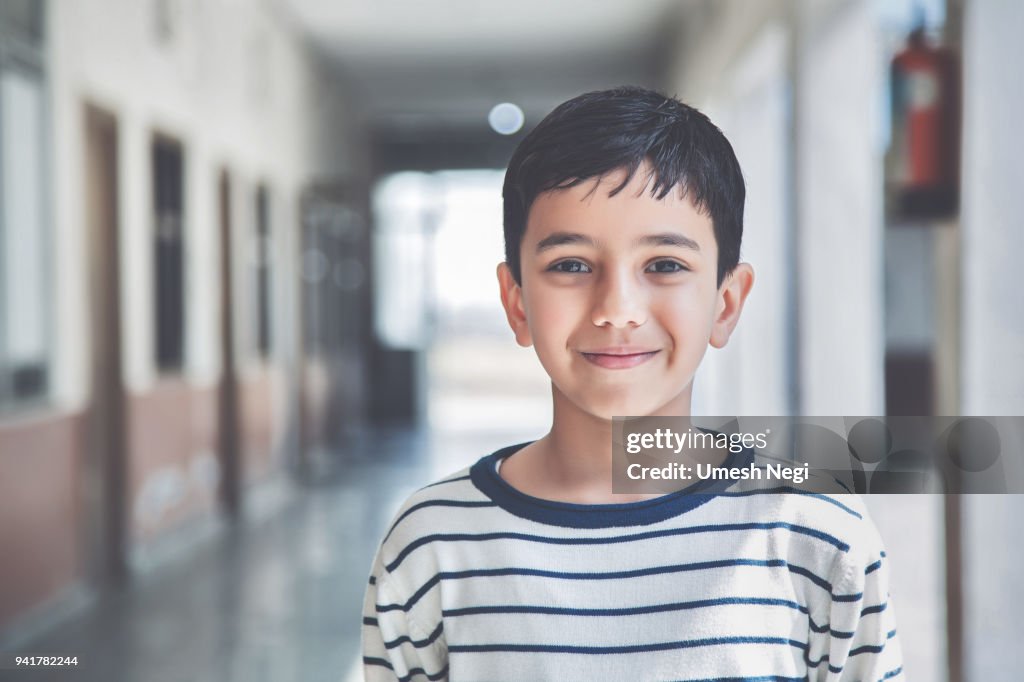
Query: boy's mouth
(618, 358)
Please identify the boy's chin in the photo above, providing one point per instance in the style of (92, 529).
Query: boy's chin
(606, 409)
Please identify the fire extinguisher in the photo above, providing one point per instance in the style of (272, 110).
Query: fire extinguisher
(924, 155)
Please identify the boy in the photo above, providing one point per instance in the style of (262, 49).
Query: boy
(623, 218)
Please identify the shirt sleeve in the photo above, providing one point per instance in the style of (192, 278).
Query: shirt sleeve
(396, 647)
(860, 642)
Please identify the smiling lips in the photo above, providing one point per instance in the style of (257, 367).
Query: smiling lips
(619, 357)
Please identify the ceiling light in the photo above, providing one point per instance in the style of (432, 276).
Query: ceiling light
(506, 118)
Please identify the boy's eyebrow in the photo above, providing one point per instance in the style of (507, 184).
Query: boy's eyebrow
(561, 238)
(668, 239)
(660, 239)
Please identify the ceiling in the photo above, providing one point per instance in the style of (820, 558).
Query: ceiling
(414, 66)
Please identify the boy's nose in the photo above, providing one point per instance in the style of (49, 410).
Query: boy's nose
(619, 302)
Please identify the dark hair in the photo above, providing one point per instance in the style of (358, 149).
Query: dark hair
(600, 132)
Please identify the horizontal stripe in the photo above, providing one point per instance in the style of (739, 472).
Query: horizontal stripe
(873, 648)
(759, 678)
(623, 649)
(615, 539)
(413, 672)
(866, 649)
(873, 567)
(367, 620)
(613, 575)
(439, 675)
(395, 643)
(848, 597)
(817, 580)
(892, 673)
(447, 480)
(837, 634)
(437, 503)
(623, 611)
(643, 610)
(807, 660)
(790, 490)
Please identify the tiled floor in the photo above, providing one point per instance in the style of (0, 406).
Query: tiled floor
(276, 599)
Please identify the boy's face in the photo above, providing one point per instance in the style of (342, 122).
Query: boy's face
(619, 295)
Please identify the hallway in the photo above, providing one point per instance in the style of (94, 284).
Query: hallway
(248, 303)
(279, 597)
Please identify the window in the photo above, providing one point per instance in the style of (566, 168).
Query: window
(25, 301)
(169, 253)
(261, 266)
(22, 21)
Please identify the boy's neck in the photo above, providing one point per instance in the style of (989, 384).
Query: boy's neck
(573, 462)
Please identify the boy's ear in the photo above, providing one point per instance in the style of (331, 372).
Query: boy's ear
(731, 296)
(512, 301)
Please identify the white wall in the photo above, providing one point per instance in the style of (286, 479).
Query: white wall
(753, 115)
(992, 240)
(839, 187)
(239, 88)
(992, 311)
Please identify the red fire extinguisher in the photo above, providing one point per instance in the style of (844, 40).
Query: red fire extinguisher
(924, 156)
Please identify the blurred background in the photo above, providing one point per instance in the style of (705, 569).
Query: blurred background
(248, 303)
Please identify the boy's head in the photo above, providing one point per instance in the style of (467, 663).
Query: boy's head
(623, 217)
(596, 133)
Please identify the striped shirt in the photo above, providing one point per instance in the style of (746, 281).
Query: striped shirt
(478, 581)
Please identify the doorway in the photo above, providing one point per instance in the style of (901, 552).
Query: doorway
(105, 473)
(227, 392)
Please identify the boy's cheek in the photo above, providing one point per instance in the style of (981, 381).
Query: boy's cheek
(546, 322)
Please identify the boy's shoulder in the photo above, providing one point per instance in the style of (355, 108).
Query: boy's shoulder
(453, 490)
(447, 506)
(821, 506)
(821, 500)
(841, 521)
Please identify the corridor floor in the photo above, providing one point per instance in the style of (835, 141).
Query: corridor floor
(278, 598)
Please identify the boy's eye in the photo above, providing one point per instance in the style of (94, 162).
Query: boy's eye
(666, 267)
(569, 266)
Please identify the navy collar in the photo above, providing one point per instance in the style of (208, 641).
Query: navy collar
(485, 477)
